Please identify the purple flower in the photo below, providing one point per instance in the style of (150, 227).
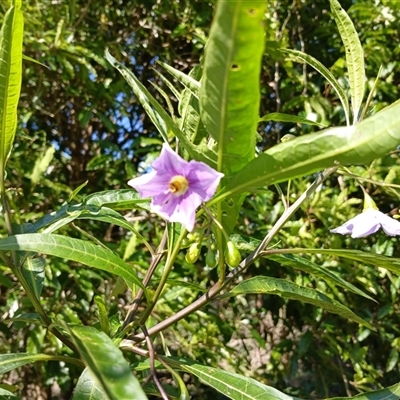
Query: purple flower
(368, 222)
(177, 187)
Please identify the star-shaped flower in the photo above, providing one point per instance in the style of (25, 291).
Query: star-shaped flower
(177, 187)
(367, 223)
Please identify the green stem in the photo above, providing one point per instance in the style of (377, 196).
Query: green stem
(168, 267)
(216, 288)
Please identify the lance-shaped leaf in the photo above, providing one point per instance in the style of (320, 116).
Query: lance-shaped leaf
(354, 56)
(292, 291)
(160, 118)
(281, 117)
(87, 388)
(8, 362)
(390, 263)
(230, 89)
(358, 144)
(76, 250)
(10, 76)
(107, 363)
(301, 57)
(234, 386)
(390, 393)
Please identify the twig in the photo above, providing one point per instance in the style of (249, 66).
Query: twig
(216, 288)
(152, 355)
(153, 266)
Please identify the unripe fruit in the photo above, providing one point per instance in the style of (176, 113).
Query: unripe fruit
(211, 259)
(192, 254)
(232, 255)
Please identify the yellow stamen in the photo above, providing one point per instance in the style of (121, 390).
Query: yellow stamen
(178, 185)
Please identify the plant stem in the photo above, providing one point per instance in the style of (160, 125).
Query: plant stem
(167, 269)
(217, 287)
(153, 265)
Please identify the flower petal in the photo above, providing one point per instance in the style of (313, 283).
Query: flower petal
(170, 163)
(150, 184)
(365, 225)
(362, 225)
(389, 225)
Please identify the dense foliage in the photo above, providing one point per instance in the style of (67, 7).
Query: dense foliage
(91, 278)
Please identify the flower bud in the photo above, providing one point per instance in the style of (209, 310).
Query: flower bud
(211, 259)
(192, 254)
(232, 254)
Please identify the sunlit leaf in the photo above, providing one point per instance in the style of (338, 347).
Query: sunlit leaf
(230, 89)
(281, 117)
(301, 57)
(354, 56)
(11, 36)
(76, 250)
(160, 118)
(234, 386)
(360, 144)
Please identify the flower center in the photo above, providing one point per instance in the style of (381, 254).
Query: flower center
(178, 185)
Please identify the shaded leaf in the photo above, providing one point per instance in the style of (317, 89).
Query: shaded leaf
(107, 364)
(292, 291)
(33, 270)
(390, 393)
(42, 164)
(6, 395)
(8, 362)
(306, 265)
(87, 388)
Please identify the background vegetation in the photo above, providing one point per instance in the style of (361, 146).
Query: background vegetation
(80, 122)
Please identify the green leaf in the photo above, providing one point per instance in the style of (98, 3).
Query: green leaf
(230, 89)
(234, 386)
(188, 81)
(8, 362)
(122, 199)
(289, 290)
(304, 155)
(107, 364)
(281, 117)
(87, 388)
(103, 314)
(390, 393)
(33, 271)
(72, 249)
(390, 263)
(354, 56)
(11, 36)
(76, 191)
(306, 265)
(42, 164)
(160, 118)
(6, 395)
(301, 57)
